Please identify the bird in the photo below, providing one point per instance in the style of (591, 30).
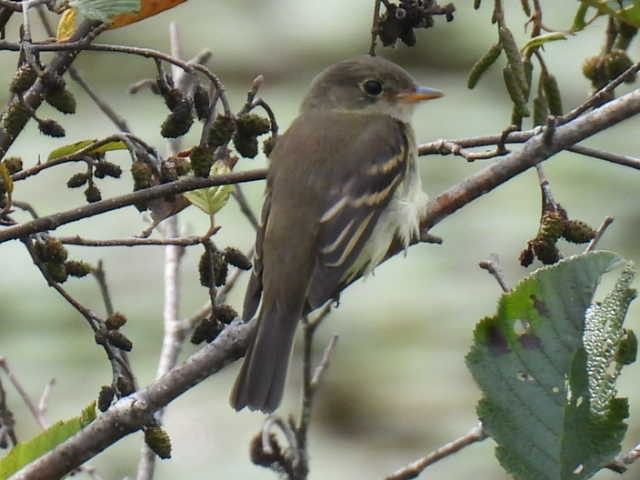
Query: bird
(342, 183)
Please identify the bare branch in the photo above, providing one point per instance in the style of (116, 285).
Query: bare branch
(35, 411)
(476, 434)
(623, 160)
(601, 95)
(52, 222)
(131, 242)
(111, 114)
(132, 412)
(534, 151)
(601, 229)
(493, 267)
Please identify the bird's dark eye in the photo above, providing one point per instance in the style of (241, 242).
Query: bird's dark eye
(372, 87)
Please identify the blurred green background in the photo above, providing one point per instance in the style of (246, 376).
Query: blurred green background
(397, 387)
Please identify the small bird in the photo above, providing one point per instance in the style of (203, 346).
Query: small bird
(343, 181)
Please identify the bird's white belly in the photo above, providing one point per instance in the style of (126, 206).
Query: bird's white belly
(401, 218)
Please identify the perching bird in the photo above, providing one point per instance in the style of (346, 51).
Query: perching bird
(343, 181)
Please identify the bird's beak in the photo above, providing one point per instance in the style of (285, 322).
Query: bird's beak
(419, 94)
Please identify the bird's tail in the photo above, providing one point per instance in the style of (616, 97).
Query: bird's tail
(260, 383)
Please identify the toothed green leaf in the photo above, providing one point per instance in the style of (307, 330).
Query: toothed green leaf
(539, 363)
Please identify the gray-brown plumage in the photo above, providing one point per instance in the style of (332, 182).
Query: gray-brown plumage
(342, 183)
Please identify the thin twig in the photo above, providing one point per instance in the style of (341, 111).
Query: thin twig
(81, 45)
(459, 147)
(173, 336)
(15, 6)
(245, 207)
(117, 358)
(101, 277)
(131, 242)
(110, 113)
(7, 421)
(81, 154)
(601, 229)
(43, 404)
(493, 267)
(35, 411)
(623, 160)
(476, 434)
(375, 28)
(158, 191)
(321, 368)
(602, 94)
(309, 389)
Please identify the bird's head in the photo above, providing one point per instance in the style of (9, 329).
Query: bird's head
(368, 85)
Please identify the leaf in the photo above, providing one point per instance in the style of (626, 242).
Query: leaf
(631, 14)
(104, 10)
(540, 40)
(77, 146)
(118, 13)
(26, 452)
(67, 25)
(5, 176)
(579, 20)
(536, 374)
(211, 200)
(148, 8)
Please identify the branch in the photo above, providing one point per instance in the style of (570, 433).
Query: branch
(174, 336)
(535, 150)
(52, 222)
(116, 119)
(77, 46)
(58, 65)
(132, 412)
(131, 242)
(476, 434)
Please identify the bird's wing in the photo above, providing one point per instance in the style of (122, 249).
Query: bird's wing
(377, 162)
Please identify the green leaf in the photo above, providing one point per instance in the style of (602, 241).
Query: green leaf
(579, 20)
(551, 415)
(5, 177)
(542, 39)
(627, 11)
(26, 452)
(103, 10)
(631, 14)
(77, 146)
(211, 200)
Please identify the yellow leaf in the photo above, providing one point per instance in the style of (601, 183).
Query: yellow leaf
(7, 181)
(77, 146)
(67, 25)
(148, 8)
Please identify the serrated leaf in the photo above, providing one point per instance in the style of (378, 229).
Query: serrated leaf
(103, 10)
(26, 452)
(211, 200)
(542, 39)
(531, 365)
(77, 146)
